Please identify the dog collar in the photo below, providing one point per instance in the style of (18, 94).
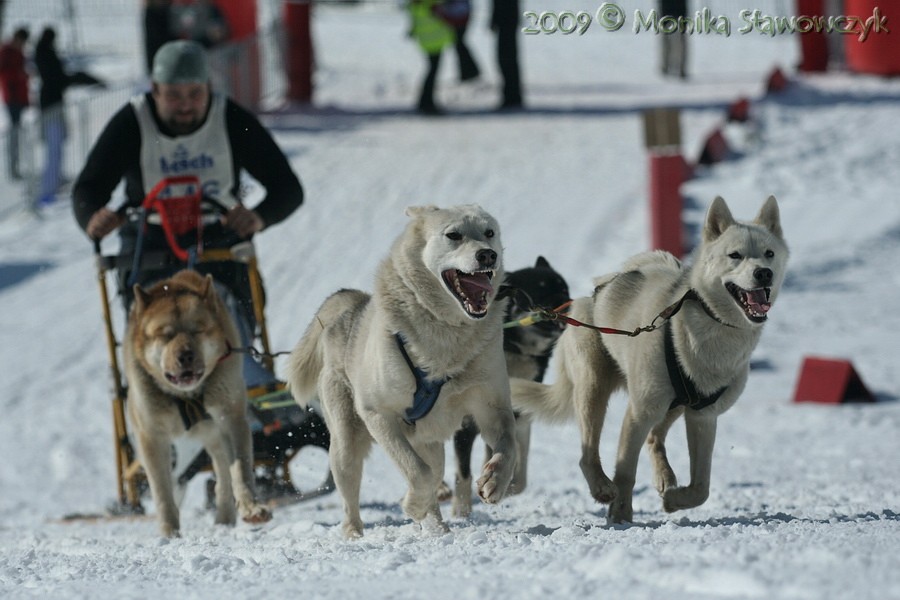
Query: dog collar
(427, 390)
(686, 393)
(693, 295)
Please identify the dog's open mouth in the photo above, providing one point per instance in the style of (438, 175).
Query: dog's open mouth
(755, 303)
(184, 379)
(471, 289)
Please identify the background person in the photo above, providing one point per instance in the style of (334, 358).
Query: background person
(14, 86)
(458, 17)
(433, 34)
(55, 80)
(505, 22)
(674, 45)
(198, 20)
(157, 28)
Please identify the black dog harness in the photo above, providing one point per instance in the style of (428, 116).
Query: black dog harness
(427, 390)
(686, 393)
(191, 411)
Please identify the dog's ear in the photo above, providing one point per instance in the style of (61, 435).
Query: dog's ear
(541, 263)
(141, 299)
(770, 217)
(718, 219)
(206, 286)
(417, 211)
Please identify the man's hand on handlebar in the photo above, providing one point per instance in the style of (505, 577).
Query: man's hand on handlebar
(243, 221)
(102, 223)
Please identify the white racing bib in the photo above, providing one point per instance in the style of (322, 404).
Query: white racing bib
(205, 153)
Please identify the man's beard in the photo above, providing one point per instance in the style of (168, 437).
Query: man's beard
(184, 127)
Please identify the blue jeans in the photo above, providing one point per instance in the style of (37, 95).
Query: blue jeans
(54, 130)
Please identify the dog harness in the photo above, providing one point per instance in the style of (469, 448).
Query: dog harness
(427, 390)
(686, 393)
(191, 411)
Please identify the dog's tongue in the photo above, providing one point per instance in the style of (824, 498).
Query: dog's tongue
(473, 282)
(758, 300)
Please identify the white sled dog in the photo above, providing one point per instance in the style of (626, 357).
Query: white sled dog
(405, 364)
(695, 365)
(183, 380)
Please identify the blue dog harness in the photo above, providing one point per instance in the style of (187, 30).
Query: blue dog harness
(427, 390)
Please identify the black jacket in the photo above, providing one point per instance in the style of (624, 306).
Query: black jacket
(54, 78)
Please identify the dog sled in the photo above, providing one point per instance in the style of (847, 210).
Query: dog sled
(280, 428)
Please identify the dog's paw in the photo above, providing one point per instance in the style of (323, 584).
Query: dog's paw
(680, 498)
(604, 491)
(664, 480)
(444, 492)
(491, 487)
(256, 513)
(619, 512)
(169, 531)
(415, 506)
(352, 530)
(434, 525)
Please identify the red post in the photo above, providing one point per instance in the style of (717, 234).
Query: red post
(241, 70)
(879, 52)
(667, 173)
(813, 44)
(299, 54)
(241, 17)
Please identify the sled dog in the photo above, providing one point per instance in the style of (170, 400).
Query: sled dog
(695, 365)
(527, 350)
(184, 380)
(404, 365)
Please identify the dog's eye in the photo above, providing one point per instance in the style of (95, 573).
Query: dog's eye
(735, 256)
(770, 254)
(455, 236)
(489, 233)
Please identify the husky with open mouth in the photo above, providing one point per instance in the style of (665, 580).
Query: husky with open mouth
(184, 380)
(695, 365)
(402, 366)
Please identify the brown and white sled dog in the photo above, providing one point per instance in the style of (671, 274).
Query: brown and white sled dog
(183, 380)
(404, 365)
(696, 365)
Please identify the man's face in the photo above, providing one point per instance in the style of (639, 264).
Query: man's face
(181, 106)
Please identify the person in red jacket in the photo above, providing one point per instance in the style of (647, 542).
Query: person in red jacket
(14, 85)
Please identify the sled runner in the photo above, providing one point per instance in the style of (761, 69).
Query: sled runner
(279, 427)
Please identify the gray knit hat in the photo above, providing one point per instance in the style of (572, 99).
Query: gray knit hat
(181, 61)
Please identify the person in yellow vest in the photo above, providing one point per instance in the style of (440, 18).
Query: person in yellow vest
(433, 34)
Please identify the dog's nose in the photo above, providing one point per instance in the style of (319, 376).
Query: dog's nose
(486, 258)
(186, 357)
(763, 276)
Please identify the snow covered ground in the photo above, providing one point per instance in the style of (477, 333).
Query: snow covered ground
(805, 498)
